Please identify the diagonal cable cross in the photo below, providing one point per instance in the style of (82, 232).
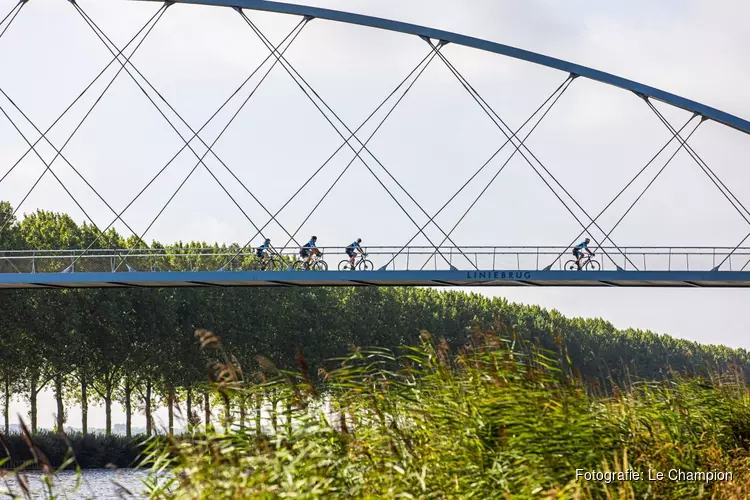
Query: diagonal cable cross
(291, 34)
(715, 180)
(107, 42)
(295, 75)
(554, 97)
(418, 70)
(627, 186)
(501, 125)
(32, 147)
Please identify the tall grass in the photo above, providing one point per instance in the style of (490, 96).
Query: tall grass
(498, 419)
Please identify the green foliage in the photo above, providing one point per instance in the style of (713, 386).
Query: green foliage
(497, 419)
(135, 346)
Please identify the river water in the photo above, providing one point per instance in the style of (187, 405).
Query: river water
(98, 484)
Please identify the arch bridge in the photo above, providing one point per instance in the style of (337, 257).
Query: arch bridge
(105, 263)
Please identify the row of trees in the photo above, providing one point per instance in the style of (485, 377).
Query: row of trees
(136, 347)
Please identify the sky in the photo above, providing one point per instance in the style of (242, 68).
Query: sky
(594, 139)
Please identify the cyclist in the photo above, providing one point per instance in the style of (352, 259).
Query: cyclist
(264, 250)
(351, 251)
(307, 251)
(584, 245)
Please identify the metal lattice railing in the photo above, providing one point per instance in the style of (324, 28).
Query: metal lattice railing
(392, 258)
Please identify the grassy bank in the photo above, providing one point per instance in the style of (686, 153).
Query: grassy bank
(496, 418)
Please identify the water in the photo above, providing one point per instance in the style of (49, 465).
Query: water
(99, 484)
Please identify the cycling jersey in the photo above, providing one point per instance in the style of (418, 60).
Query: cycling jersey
(262, 249)
(305, 250)
(577, 249)
(350, 249)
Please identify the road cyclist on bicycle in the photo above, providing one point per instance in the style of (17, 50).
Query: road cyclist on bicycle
(309, 249)
(578, 251)
(266, 253)
(265, 250)
(351, 251)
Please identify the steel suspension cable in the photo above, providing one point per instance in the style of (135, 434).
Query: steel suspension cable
(290, 69)
(159, 12)
(101, 198)
(654, 179)
(297, 30)
(17, 8)
(736, 204)
(200, 158)
(13, 12)
(382, 122)
(674, 136)
(157, 16)
(564, 87)
(210, 119)
(492, 157)
(209, 150)
(490, 112)
(48, 165)
(711, 175)
(317, 171)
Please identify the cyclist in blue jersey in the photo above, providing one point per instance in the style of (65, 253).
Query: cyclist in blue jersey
(351, 251)
(307, 251)
(577, 251)
(264, 250)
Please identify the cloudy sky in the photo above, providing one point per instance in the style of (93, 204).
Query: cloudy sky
(594, 140)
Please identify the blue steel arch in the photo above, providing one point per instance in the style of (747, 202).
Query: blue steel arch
(708, 112)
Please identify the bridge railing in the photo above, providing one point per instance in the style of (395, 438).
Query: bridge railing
(392, 258)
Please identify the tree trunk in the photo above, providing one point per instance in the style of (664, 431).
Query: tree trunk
(227, 413)
(289, 417)
(207, 410)
(128, 409)
(243, 410)
(170, 407)
(6, 403)
(189, 405)
(149, 424)
(84, 406)
(274, 402)
(258, 409)
(60, 404)
(32, 404)
(108, 406)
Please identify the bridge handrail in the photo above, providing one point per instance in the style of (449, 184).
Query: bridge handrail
(229, 251)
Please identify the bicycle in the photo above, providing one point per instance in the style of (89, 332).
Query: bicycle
(316, 264)
(271, 263)
(362, 264)
(587, 264)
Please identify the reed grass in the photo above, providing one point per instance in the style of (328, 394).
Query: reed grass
(498, 419)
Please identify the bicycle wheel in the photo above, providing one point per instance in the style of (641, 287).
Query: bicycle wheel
(592, 265)
(571, 266)
(320, 265)
(345, 265)
(365, 265)
(299, 265)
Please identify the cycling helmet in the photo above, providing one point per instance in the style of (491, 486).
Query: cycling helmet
(359, 240)
(268, 240)
(314, 238)
(588, 240)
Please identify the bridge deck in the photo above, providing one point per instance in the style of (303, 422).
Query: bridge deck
(414, 266)
(708, 279)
